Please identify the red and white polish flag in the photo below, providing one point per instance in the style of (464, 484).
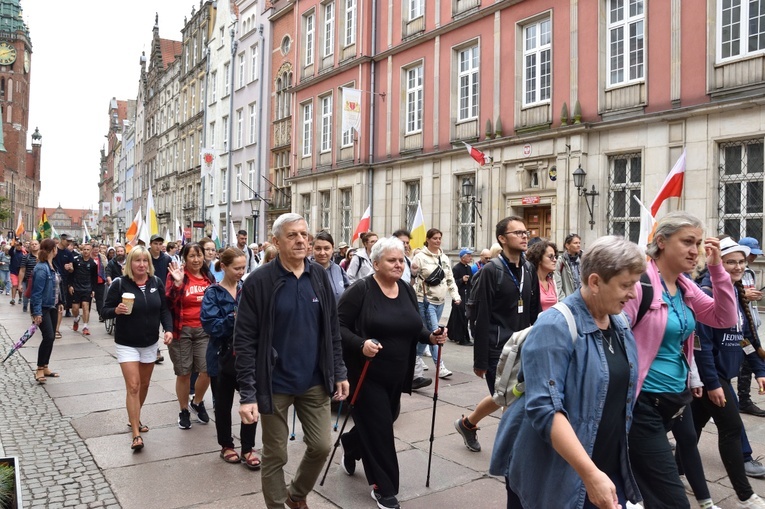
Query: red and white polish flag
(366, 221)
(672, 186)
(476, 154)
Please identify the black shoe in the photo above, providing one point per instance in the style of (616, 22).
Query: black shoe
(385, 502)
(347, 463)
(465, 343)
(752, 409)
(420, 382)
(68, 314)
(101, 319)
(199, 409)
(184, 419)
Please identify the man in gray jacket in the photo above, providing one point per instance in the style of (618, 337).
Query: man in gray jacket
(288, 352)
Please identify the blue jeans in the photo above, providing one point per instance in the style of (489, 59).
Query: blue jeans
(431, 315)
(5, 277)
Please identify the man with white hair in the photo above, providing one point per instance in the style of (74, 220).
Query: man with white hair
(289, 352)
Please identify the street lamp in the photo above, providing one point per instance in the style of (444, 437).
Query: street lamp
(589, 196)
(255, 217)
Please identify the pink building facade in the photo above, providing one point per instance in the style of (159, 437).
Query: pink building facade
(617, 87)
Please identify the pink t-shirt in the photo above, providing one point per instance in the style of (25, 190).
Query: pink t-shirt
(547, 298)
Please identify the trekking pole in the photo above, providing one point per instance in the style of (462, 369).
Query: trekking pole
(350, 407)
(339, 411)
(433, 421)
(294, 414)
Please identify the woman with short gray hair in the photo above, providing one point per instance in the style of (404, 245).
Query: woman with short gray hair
(569, 428)
(664, 336)
(369, 331)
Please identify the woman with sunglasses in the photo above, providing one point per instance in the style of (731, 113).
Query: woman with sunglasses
(542, 256)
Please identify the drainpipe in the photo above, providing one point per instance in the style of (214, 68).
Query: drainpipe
(261, 145)
(370, 171)
(234, 45)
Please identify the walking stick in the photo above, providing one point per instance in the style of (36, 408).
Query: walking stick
(294, 414)
(339, 411)
(350, 407)
(433, 421)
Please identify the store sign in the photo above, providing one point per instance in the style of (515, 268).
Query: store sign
(530, 200)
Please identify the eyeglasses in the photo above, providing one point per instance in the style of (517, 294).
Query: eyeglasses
(552, 257)
(734, 263)
(519, 233)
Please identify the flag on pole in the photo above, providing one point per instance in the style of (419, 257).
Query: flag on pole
(647, 225)
(366, 221)
(20, 227)
(179, 232)
(167, 235)
(672, 186)
(232, 234)
(418, 229)
(351, 109)
(53, 233)
(152, 226)
(44, 230)
(35, 235)
(132, 233)
(215, 238)
(208, 158)
(85, 233)
(476, 154)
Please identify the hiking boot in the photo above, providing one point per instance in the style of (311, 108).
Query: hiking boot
(469, 435)
(420, 382)
(200, 411)
(184, 419)
(389, 502)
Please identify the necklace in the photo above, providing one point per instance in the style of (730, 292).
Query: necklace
(609, 339)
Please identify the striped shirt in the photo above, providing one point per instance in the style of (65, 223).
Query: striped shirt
(28, 263)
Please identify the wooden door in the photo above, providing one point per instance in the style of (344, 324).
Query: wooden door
(538, 221)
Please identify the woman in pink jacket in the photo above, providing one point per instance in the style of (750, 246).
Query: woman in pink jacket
(664, 336)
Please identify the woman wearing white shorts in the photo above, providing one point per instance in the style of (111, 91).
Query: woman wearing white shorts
(137, 331)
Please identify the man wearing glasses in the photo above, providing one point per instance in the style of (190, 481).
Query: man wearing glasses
(506, 300)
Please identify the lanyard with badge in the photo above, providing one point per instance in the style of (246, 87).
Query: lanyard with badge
(515, 280)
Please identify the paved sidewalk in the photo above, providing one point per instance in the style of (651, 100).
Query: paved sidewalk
(74, 447)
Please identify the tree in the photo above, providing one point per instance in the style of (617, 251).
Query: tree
(5, 212)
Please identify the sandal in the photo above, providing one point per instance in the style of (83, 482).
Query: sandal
(229, 455)
(141, 427)
(137, 444)
(58, 335)
(50, 373)
(40, 376)
(251, 460)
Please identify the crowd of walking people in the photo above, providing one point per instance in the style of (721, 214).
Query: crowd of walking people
(623, 346)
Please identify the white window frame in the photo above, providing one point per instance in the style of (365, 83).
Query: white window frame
(254, 62)
(238, 186)
(239, 128)
(742, 26)
(468, 82)
(537, 62)
(223, 186)
(622, 20)
(326, 123)
(415, 9)
(242, 74)
(251, 178)
(350, 22)
(307, 130)
(253, 119)
(325, 202)
(309, 24)
(226, 79)
(329, 30)
(214, 87)
(212, 135)
(415, 90)
(225, 133)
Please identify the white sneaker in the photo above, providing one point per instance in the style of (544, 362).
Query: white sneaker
(420, 363)
(630, 505)
(427, 353)
(753, 502)
(443, 372)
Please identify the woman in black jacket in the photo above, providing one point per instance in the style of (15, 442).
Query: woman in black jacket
(137, 330)
(368, 332)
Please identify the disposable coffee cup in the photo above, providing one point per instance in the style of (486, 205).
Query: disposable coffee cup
(128, 299)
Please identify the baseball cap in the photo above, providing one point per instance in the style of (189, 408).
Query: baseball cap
(728, 246)
(463, 252)
(156, 237)
(752, 244)
(342, 245)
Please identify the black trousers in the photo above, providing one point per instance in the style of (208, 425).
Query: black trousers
(371, 439)
(687, 454)
(652, 461)
(224, 388)
(729, 426)
(745, 384)
(99, 289)
(48, 331)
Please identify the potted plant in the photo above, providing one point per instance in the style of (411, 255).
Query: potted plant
(10, 484)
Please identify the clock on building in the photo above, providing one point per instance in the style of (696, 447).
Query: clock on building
(7, 54)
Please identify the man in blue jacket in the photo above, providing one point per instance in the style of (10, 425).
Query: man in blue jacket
(288, 352)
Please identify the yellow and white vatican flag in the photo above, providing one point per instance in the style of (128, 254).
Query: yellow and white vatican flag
(418, 229)
(351, 109)
(151, 216)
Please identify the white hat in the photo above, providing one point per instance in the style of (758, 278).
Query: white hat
(728, 246)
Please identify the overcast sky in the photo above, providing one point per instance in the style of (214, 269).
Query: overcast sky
(85, 53)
